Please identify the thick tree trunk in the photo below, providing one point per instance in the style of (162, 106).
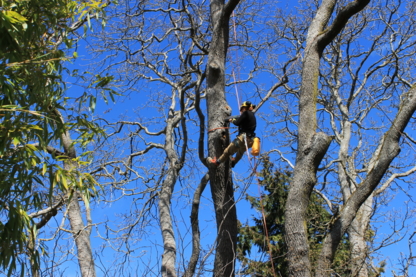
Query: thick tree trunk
(304, 179)
(222, 188)
(220, 178)
(312, 146)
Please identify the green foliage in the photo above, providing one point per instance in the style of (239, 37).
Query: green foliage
(31, 64)
(272, 206)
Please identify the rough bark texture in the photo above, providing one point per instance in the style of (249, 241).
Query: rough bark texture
(387, 150)
(220, 178)
(356, 234)
(304, 179)
(308, 157)
(312, 146)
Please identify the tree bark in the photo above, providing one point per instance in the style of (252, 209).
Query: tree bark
(220, 178)
(308, 157)
(165, 219)
(34, 268)
(357, 230)
(82, 238)
(356, 234)
(304, 179)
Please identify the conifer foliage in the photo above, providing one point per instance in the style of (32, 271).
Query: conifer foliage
(272, 204)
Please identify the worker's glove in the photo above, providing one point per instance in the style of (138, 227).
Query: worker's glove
(231, 118)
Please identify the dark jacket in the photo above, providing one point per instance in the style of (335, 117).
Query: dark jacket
(246, 123)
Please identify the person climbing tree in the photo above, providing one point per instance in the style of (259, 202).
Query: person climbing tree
(246, 123)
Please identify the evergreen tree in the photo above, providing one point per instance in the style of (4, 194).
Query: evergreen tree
(272, 205)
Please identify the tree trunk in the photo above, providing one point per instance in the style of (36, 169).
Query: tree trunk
(165, 219)
(165, 195)
(82, 238)
(34, 267)
(304, 179)
(357, 230)
(220, 178)
(312, 146)
(358, 227)
(356, 234)
(190, 271)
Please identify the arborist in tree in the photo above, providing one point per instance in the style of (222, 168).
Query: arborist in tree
(246, 123)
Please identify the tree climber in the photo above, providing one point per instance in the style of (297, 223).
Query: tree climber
(246, 123)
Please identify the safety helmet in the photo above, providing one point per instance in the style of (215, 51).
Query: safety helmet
(245, 104)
